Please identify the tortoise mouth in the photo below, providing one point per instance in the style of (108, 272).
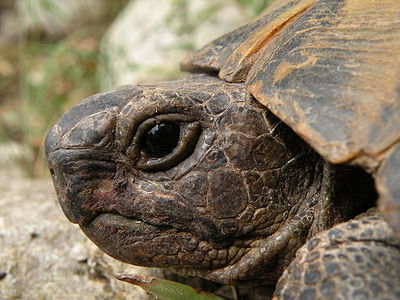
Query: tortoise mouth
(114, 215)
(128, 239)
(106, 220)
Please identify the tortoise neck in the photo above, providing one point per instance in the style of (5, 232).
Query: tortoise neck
(345, 192)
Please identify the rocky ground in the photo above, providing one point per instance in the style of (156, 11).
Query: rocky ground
(43, 256)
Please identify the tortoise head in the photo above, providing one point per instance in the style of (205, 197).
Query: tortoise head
(192, 174)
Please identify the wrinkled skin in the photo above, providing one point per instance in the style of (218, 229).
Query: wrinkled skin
(232, 202)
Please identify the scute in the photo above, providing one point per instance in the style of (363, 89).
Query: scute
(237, 66)
(214, 55)
(331, 75)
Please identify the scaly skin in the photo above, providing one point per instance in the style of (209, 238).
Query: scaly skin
(358, 259)
(232, 203)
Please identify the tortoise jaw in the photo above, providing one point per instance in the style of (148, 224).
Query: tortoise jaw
(114, 215)
(130, 240)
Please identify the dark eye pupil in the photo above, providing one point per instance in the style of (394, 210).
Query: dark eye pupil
(161, 139)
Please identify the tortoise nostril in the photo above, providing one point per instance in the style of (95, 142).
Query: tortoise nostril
(94, 131)
(51, 172)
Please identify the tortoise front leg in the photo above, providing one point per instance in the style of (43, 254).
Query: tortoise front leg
(359, 259)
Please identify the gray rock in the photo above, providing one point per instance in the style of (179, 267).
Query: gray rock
(43, 256)
(149, 38)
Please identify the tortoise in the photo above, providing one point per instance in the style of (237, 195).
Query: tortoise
(275, 163)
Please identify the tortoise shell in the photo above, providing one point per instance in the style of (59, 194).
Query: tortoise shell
(330, 69)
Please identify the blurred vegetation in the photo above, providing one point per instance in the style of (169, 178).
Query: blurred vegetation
(41, 76)
(178, 17)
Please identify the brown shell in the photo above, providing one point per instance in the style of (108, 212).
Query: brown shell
(331, 70)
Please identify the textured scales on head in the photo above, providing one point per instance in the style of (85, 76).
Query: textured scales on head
(233, 192)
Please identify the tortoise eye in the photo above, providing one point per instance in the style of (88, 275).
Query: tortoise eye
(161, 139)
(162, 142)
